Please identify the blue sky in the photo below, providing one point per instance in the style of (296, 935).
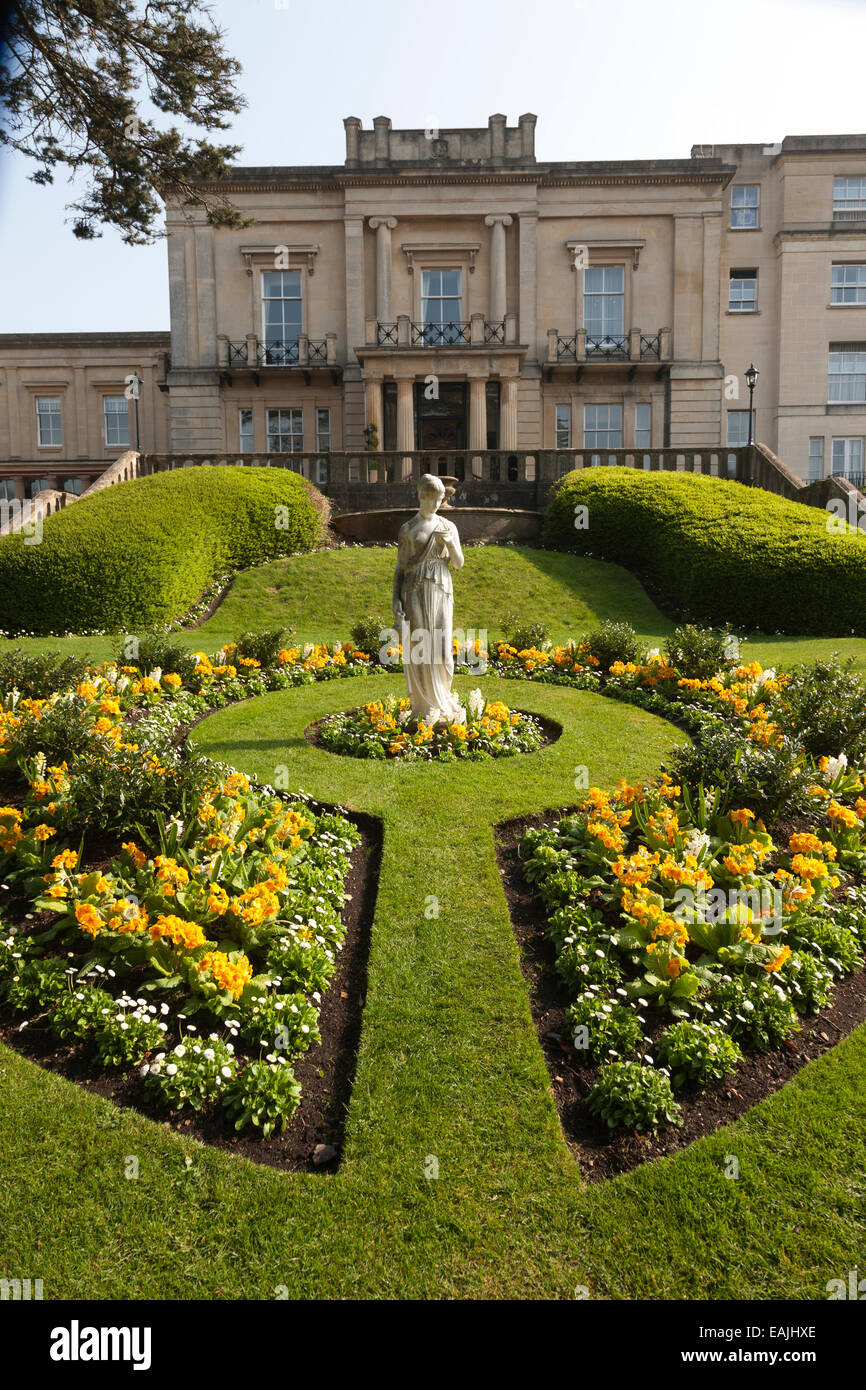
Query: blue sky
(634, 79)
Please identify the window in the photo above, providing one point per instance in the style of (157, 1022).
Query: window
(745, 204)
(115, 413)
(282, 309)
(441, 304)
(323, 430)
(245, 431)
(848, 458)
(604, 302)
(7, 491)
(322, 472)
(642, 425)
(49, 433)
(37, 485)
(847, 374)
(563, 427)
(602, 426)
(849, 200)
(816, 458)
(743, 292)
(73, 485)
(285, 431)
(848, 284)
(738, 428)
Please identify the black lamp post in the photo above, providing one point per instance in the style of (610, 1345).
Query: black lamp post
(135, 384)
(751, 379)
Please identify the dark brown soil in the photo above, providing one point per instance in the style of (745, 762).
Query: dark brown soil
(550, 730)
(705, 1109)
(326, 1072)
(218, 598)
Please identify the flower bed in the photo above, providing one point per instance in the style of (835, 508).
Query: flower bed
(696, 918)
(386, 729)
(222, 906)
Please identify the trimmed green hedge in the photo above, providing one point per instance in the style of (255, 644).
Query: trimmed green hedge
(140, 553)
(717, 551)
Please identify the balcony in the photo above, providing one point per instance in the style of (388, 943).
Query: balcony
(475, 332)
(632, 348)
(303, 352)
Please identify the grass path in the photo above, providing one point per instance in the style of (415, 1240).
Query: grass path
(320, 596)
(449, 1069)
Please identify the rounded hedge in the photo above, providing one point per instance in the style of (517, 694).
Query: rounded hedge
(140, 553)
(715, 550)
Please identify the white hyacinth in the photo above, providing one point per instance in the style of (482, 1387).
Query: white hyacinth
(697, 843)
(476, 704)
(836, 765)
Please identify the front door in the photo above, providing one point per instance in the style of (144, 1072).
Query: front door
(441, 422)
(439, 434)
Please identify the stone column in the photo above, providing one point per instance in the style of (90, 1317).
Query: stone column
(405, 414)
(508, 414)
(497, 265)
(383, 226)
(354, 224)
(478, 413)
(373, 391)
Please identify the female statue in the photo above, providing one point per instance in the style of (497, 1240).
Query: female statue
(423, 602)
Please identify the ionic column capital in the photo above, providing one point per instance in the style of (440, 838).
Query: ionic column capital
(389, 222)
(493, 217)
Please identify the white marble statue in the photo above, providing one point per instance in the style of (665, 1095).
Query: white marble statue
(423, 601)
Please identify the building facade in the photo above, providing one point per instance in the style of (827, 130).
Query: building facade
(67, 407)
(445, 290)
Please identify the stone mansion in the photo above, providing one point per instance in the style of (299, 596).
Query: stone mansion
(450, 290)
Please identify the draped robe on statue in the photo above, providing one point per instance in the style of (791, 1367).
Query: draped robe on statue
(427, 596)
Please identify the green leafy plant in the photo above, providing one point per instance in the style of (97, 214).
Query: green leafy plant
(139, 554)
(366, 634)
(694, 1051)
(192, 1074)
(610, 642)
(698, 653)
(264, 646)
(717, 551)
(822, 706)
(602, 1028)
(265, 1094)
(629, 1095)
(522, 633)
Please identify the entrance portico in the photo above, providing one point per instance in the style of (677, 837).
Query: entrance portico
(441, 398)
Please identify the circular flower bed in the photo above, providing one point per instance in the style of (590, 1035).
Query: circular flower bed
(388, 729)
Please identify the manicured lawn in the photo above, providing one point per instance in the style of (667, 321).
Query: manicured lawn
(449, 1069)
(321, 595)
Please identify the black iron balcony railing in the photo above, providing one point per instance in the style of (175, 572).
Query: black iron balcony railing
(581, 347)
(439, 334)
(477, 332)
(855, 479)
(296, 352)
(609, 348)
